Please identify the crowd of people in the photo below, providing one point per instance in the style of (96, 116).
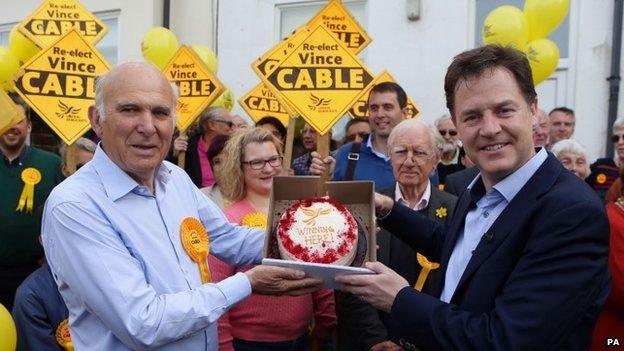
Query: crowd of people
(496, 232)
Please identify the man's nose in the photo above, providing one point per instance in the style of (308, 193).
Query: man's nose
(146, 124)
(490, 125)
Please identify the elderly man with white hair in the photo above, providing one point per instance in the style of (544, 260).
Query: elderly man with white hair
(572, 156)
(415, 147)
(125, 236)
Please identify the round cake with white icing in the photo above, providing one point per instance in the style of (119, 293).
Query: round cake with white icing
(319, 230)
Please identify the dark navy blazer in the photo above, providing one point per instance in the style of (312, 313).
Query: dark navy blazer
(536, 280)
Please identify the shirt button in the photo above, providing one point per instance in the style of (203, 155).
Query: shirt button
(486, 214)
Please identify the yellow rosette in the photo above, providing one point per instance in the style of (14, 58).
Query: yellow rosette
(255, 220)
(196, 244)
(424, 272)
(63, 336)
(30, 177)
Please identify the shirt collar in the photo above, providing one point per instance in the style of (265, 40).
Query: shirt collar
(19, 159)
(422, 203)
(118, 183)
(369, 144)
(513, 183)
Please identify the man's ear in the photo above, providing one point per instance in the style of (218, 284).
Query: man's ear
(94, 119)
(533, 110)
(404, 111)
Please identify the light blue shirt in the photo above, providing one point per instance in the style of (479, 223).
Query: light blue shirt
(116, 255)
(369, 144)
(480, 219)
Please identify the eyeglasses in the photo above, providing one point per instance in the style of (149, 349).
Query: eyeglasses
(275, 161)
(350, 138)
(451, 132)
(401, 152)
(615, 138)
(227, 123)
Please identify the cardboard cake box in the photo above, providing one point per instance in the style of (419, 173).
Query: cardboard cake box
(357, 196)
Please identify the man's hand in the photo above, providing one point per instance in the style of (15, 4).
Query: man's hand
(318, 166)
(270, 280)
(379, 289)
(386, 346)
(383, 204)
(180, 144)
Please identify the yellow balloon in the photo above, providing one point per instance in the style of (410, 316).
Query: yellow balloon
(8, 335)
(225, 100)
(506, 26)
(23, 48)
(9, 67)
(206, 55)
(544, 16)
(543, 57)
(158, 46)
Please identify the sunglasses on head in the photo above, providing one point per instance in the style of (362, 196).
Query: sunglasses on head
(616, 138)
(450, 132)
(227, 123)
(351, 137)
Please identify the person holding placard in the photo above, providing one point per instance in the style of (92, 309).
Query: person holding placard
(27, 175)
(128, 235)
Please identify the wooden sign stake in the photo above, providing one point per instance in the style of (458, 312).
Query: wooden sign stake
(290, 138)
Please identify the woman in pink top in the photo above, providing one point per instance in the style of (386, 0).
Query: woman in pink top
(251, 158)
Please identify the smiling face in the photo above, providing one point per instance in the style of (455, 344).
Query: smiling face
(618, 146)
(259, 181)
(494, 123)
(561, 126)
(139, 107)
(14, 138)
(384, 112)
(542, 129)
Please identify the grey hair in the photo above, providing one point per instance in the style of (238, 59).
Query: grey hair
(619, 123)
(82, 143)
(571, 146)
(100, 83)
(436, 138)
(442, 118)
(210, 113)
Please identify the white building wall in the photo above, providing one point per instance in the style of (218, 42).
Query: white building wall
(417, 53)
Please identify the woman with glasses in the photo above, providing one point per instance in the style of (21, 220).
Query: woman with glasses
(250, 160)
(605, 171)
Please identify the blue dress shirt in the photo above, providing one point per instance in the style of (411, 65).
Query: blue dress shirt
(115, 252)
(490, 203)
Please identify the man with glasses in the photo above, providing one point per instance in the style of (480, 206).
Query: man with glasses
(541, 129)
(356, 130)
(449, 161)
(415, 148)
(212, 122)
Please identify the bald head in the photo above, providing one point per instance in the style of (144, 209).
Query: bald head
(541, 129)
(128, 72)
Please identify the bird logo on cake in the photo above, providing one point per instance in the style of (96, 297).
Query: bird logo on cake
(312, 214)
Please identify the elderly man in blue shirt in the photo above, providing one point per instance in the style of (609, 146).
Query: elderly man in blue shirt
(112, 232)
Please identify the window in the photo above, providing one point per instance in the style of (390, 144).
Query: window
(483, 7)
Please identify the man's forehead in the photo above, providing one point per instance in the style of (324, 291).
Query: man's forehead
(385, 96)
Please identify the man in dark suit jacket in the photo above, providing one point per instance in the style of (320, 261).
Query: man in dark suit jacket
(457, 182)
(415, 148)
(525, 256)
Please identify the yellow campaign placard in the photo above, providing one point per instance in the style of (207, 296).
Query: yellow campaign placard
(59, 84)
(54, 18)
(198, 85)
(320, 79)
(10, 113)
(260, 101)
(360, 109)
(337, 18)
(266, 64)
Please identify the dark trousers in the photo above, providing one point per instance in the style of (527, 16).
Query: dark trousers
(302, 343)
